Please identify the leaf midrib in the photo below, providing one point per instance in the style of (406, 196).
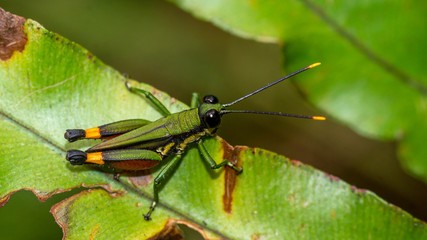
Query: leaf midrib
(125, 186)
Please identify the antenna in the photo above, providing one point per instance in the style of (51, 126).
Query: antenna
(273, 113)
(271, 84)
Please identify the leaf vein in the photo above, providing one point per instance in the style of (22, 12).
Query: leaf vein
(383, 63)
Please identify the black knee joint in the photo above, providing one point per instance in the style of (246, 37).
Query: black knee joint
(74, 134)
(76, 157)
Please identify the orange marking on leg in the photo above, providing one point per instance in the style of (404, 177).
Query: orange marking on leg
(93, 133)
(95, 157)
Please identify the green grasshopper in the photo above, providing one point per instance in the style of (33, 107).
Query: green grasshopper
(139, 144)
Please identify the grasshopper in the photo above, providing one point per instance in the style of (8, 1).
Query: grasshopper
(139, 144)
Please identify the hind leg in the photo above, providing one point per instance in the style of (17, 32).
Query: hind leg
(105, 131)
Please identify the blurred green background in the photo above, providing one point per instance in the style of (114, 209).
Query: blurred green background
(157, 43)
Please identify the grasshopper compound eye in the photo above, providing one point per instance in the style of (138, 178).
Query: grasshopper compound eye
(210, 99)
(212, 118)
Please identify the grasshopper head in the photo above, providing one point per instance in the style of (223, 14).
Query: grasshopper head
(210, 112)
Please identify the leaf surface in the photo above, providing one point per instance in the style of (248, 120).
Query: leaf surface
(373, 53)
(55, 84)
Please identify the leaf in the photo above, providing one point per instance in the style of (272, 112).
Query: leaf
(373, 76)
(53, 84)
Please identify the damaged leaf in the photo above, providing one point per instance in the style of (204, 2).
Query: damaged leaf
(55, 84)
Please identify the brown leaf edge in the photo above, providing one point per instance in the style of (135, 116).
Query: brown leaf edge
(170, 230)
(43, 196)
(12, 35)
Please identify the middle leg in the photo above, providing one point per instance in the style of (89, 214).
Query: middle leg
(207, 157)
(164, 174)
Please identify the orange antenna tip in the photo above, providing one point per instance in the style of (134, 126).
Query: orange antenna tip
(314, 65)
(318, 118)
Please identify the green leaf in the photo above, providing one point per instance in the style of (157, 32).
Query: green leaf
(53, 84)
(373, 53)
